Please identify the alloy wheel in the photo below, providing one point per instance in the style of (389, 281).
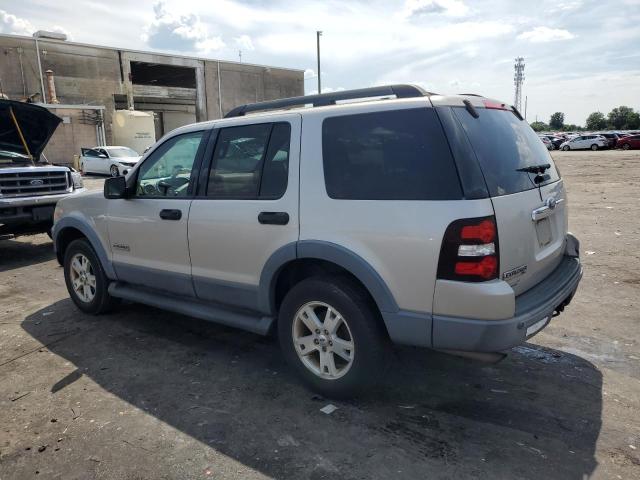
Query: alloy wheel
(323, 340)
(83, 278)
(114, 171)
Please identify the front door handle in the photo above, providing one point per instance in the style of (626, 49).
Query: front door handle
(170, 214)
(273, 218)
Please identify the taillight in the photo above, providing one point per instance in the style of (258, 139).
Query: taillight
(469, 250)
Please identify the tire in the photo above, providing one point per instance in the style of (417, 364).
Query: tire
(98, 301)
(360, 323)
(566, 148)
(594, 147)
(626, 146)
(114, 171)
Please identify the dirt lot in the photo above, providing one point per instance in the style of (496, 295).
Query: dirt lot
(145, 394)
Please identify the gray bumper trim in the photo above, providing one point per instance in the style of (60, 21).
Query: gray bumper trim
(531, 307)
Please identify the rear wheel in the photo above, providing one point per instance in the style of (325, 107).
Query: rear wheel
(566, 148)
(626, 146)
(330, 334)
(85, 279)
(594, 147)
(114, 171)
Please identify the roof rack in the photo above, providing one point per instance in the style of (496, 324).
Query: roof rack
(324, 99)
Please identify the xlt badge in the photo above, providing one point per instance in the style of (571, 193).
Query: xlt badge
(121, 246)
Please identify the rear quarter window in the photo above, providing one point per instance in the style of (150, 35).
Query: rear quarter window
(503, 143)
(389, 155)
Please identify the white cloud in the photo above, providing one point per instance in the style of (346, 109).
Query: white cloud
(244, 42)
(327, 90)
(417, 8)
(15, 25)
(184, 33)
(309, 73)
(546, 34)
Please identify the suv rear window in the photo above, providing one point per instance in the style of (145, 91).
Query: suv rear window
(390, 155)
(503, 143)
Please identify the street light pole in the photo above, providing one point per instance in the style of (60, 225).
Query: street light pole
(318, 35)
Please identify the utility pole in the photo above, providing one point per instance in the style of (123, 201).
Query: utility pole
(526, 99)
(240, 55)
(318, 35)
(518, 78)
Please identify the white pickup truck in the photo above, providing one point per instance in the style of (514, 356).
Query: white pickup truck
(30, 187)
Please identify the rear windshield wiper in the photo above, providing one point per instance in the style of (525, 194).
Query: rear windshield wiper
(535, 168)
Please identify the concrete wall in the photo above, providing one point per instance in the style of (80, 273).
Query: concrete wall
(70, 137)
(87, 74)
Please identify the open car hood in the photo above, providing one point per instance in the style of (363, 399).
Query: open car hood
(37, 125)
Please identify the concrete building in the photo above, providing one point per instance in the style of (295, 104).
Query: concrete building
(91, 82)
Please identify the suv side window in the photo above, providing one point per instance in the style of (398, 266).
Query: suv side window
(89, 152)
(250, 161)
(389, 155)
(167, 171)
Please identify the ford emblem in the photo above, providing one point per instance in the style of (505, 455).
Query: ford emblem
(36, 182)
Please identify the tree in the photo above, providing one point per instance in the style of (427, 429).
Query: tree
(557, 120)
(623, 117)
(539, 126)
(596, 121)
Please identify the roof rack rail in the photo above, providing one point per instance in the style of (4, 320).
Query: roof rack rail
(472, 95)
(324, 99)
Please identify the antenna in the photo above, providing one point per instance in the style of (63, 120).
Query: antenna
(518, 79)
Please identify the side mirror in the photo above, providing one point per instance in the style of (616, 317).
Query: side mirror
(102, 155)
(115, 187)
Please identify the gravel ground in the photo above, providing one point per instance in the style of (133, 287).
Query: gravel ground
(146, 394)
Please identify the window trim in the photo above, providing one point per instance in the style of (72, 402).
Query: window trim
(195, 170)
(208, 165)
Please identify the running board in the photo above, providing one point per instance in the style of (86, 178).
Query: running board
(193, 308)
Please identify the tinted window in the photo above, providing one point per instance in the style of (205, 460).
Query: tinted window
(393, 155)
(250, 161)
(503, 144)
(167, 172)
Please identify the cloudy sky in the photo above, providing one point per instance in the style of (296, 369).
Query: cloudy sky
(581, 55)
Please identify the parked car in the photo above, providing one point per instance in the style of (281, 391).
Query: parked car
(111, 160)
(30, 186)
(584, 142)
(555, 141)
(427, 220)
(629, 142)
(612, 138)
(547, 143)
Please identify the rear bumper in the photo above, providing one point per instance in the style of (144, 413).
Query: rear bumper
(533, 311)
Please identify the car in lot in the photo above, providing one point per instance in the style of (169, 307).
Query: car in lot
(629, 142)
(30, 186)
(108, 160)
(556, 141)
(344, 222)
(612, 138)
(547, 143)
(585, 142)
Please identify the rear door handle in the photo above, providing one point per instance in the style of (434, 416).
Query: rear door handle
(273, 218)
(170, 214)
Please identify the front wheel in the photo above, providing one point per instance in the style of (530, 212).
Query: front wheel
(566, 148)
(626, 146)
(330, 334)
(114, 171)
(594, 147)
(86, 281)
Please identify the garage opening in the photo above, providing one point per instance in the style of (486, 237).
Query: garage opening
(143, 73)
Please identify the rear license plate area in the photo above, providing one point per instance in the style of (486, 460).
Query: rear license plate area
(543, 231)
(41, 214)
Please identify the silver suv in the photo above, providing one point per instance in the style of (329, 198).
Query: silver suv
(368, 217)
